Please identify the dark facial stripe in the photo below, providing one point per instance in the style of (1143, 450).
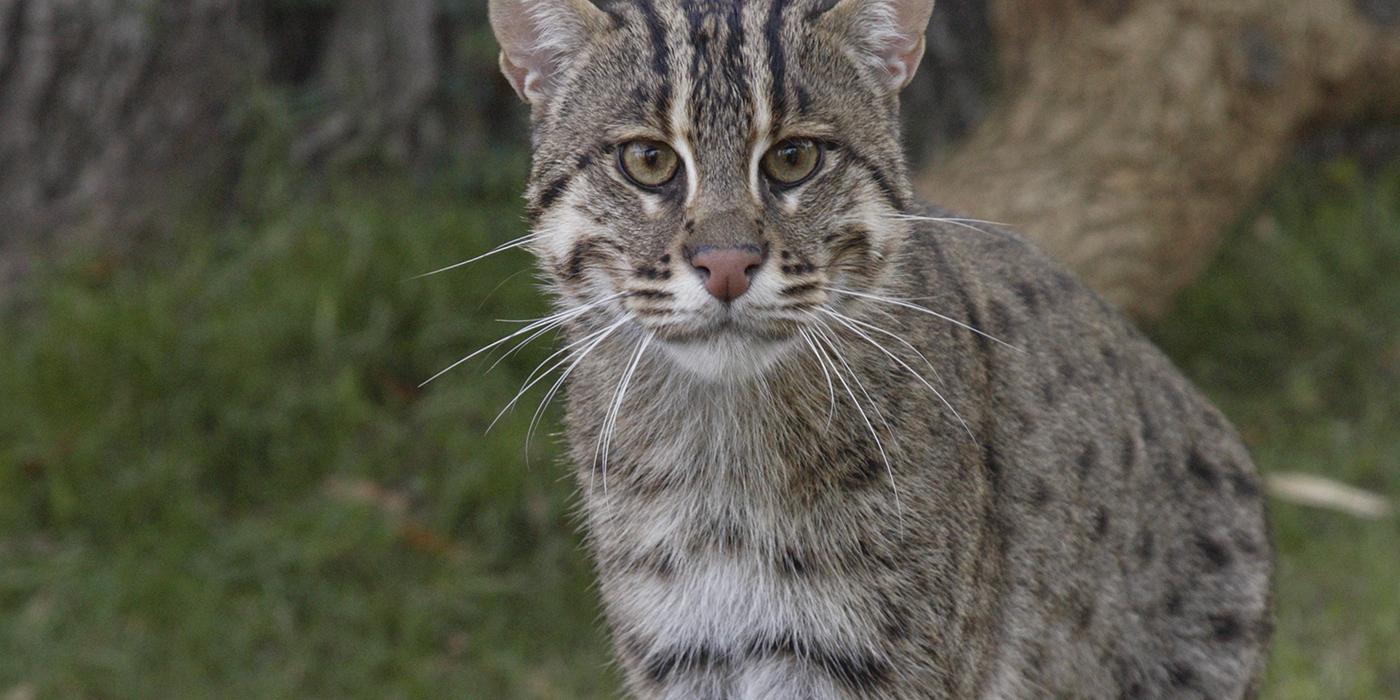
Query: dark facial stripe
(777, 61)
(551, 193)
(882, 180)
(660, 62)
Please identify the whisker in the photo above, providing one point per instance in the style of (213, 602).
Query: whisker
(874, 434)
(547, 322)
(830, 387)
(956, 221)
(921, 309)
(906, 366)
(896, 336)
(521, 241)
(559, 383)
(610, 420)
(531, 379)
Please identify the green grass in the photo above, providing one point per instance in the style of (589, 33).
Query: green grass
(218, 478)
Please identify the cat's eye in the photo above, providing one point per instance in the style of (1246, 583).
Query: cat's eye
(792, 162)
(648, 164)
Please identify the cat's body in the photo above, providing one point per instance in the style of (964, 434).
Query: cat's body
(832, 446)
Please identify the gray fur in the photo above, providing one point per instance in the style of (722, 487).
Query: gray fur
(785, 503)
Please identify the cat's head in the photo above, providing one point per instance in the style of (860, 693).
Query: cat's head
(709, 170)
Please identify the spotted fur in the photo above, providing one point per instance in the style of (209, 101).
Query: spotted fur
(916, 459)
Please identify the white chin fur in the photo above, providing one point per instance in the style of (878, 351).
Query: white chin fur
(727, 357)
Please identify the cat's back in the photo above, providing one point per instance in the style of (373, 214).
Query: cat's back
(1133, 534)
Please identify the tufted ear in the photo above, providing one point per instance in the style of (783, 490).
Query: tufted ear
(889, 32)
(537, 37)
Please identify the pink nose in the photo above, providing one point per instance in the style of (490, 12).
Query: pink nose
(727, 271)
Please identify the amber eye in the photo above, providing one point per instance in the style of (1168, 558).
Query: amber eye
(792, 161)
(648, 164)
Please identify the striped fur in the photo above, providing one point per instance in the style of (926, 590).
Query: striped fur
(916, 459)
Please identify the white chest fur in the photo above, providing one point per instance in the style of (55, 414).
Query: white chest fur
(718, 587)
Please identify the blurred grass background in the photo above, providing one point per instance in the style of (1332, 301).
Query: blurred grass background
(218, 477)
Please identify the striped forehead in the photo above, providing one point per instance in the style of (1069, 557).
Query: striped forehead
(721, 66)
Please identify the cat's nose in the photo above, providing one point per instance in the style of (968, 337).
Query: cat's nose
(727, 272)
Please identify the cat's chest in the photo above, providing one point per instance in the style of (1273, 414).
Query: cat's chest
(715, 562)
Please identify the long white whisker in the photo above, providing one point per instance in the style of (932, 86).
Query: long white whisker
(600, 454)
(523, 240)
(906, 366)
(896, 336)
(545, 323)
(879, 445)
(830, 387)
(531, 380)
(563, 376)
(962, 223)
(920, 309)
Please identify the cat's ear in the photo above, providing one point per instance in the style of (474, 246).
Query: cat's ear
(889, 32)
(537, 37)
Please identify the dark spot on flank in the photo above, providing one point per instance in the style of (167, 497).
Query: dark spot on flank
(1198, 467)
(1030, 298)
(1035, 656)
(1215, 553)
(1128, 678)
(1110, 358)
(1067, 371)
(1225, 628)
(1040, 492)
(1244, 483)
(1083, 612)
(1088, 459)
(1100, 523)
(1245, 542)
(1127, 454)
(1001, 318)
(1173, 603)
(1145, 547)
(991, 459)
(1180, 675)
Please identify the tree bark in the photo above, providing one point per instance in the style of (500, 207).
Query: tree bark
(1133, 134)
(103, 105)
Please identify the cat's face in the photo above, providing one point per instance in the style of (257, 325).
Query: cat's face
(709, 170)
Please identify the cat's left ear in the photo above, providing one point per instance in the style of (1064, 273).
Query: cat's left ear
(889, 32)
(538, 37)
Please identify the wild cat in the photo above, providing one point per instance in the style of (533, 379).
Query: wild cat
(833, 444)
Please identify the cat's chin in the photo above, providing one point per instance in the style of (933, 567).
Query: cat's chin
(727, 355)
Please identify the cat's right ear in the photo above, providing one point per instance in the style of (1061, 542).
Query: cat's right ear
(537, 37)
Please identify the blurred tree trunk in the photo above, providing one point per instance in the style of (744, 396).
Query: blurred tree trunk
(1133, 133)
(103, 106)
